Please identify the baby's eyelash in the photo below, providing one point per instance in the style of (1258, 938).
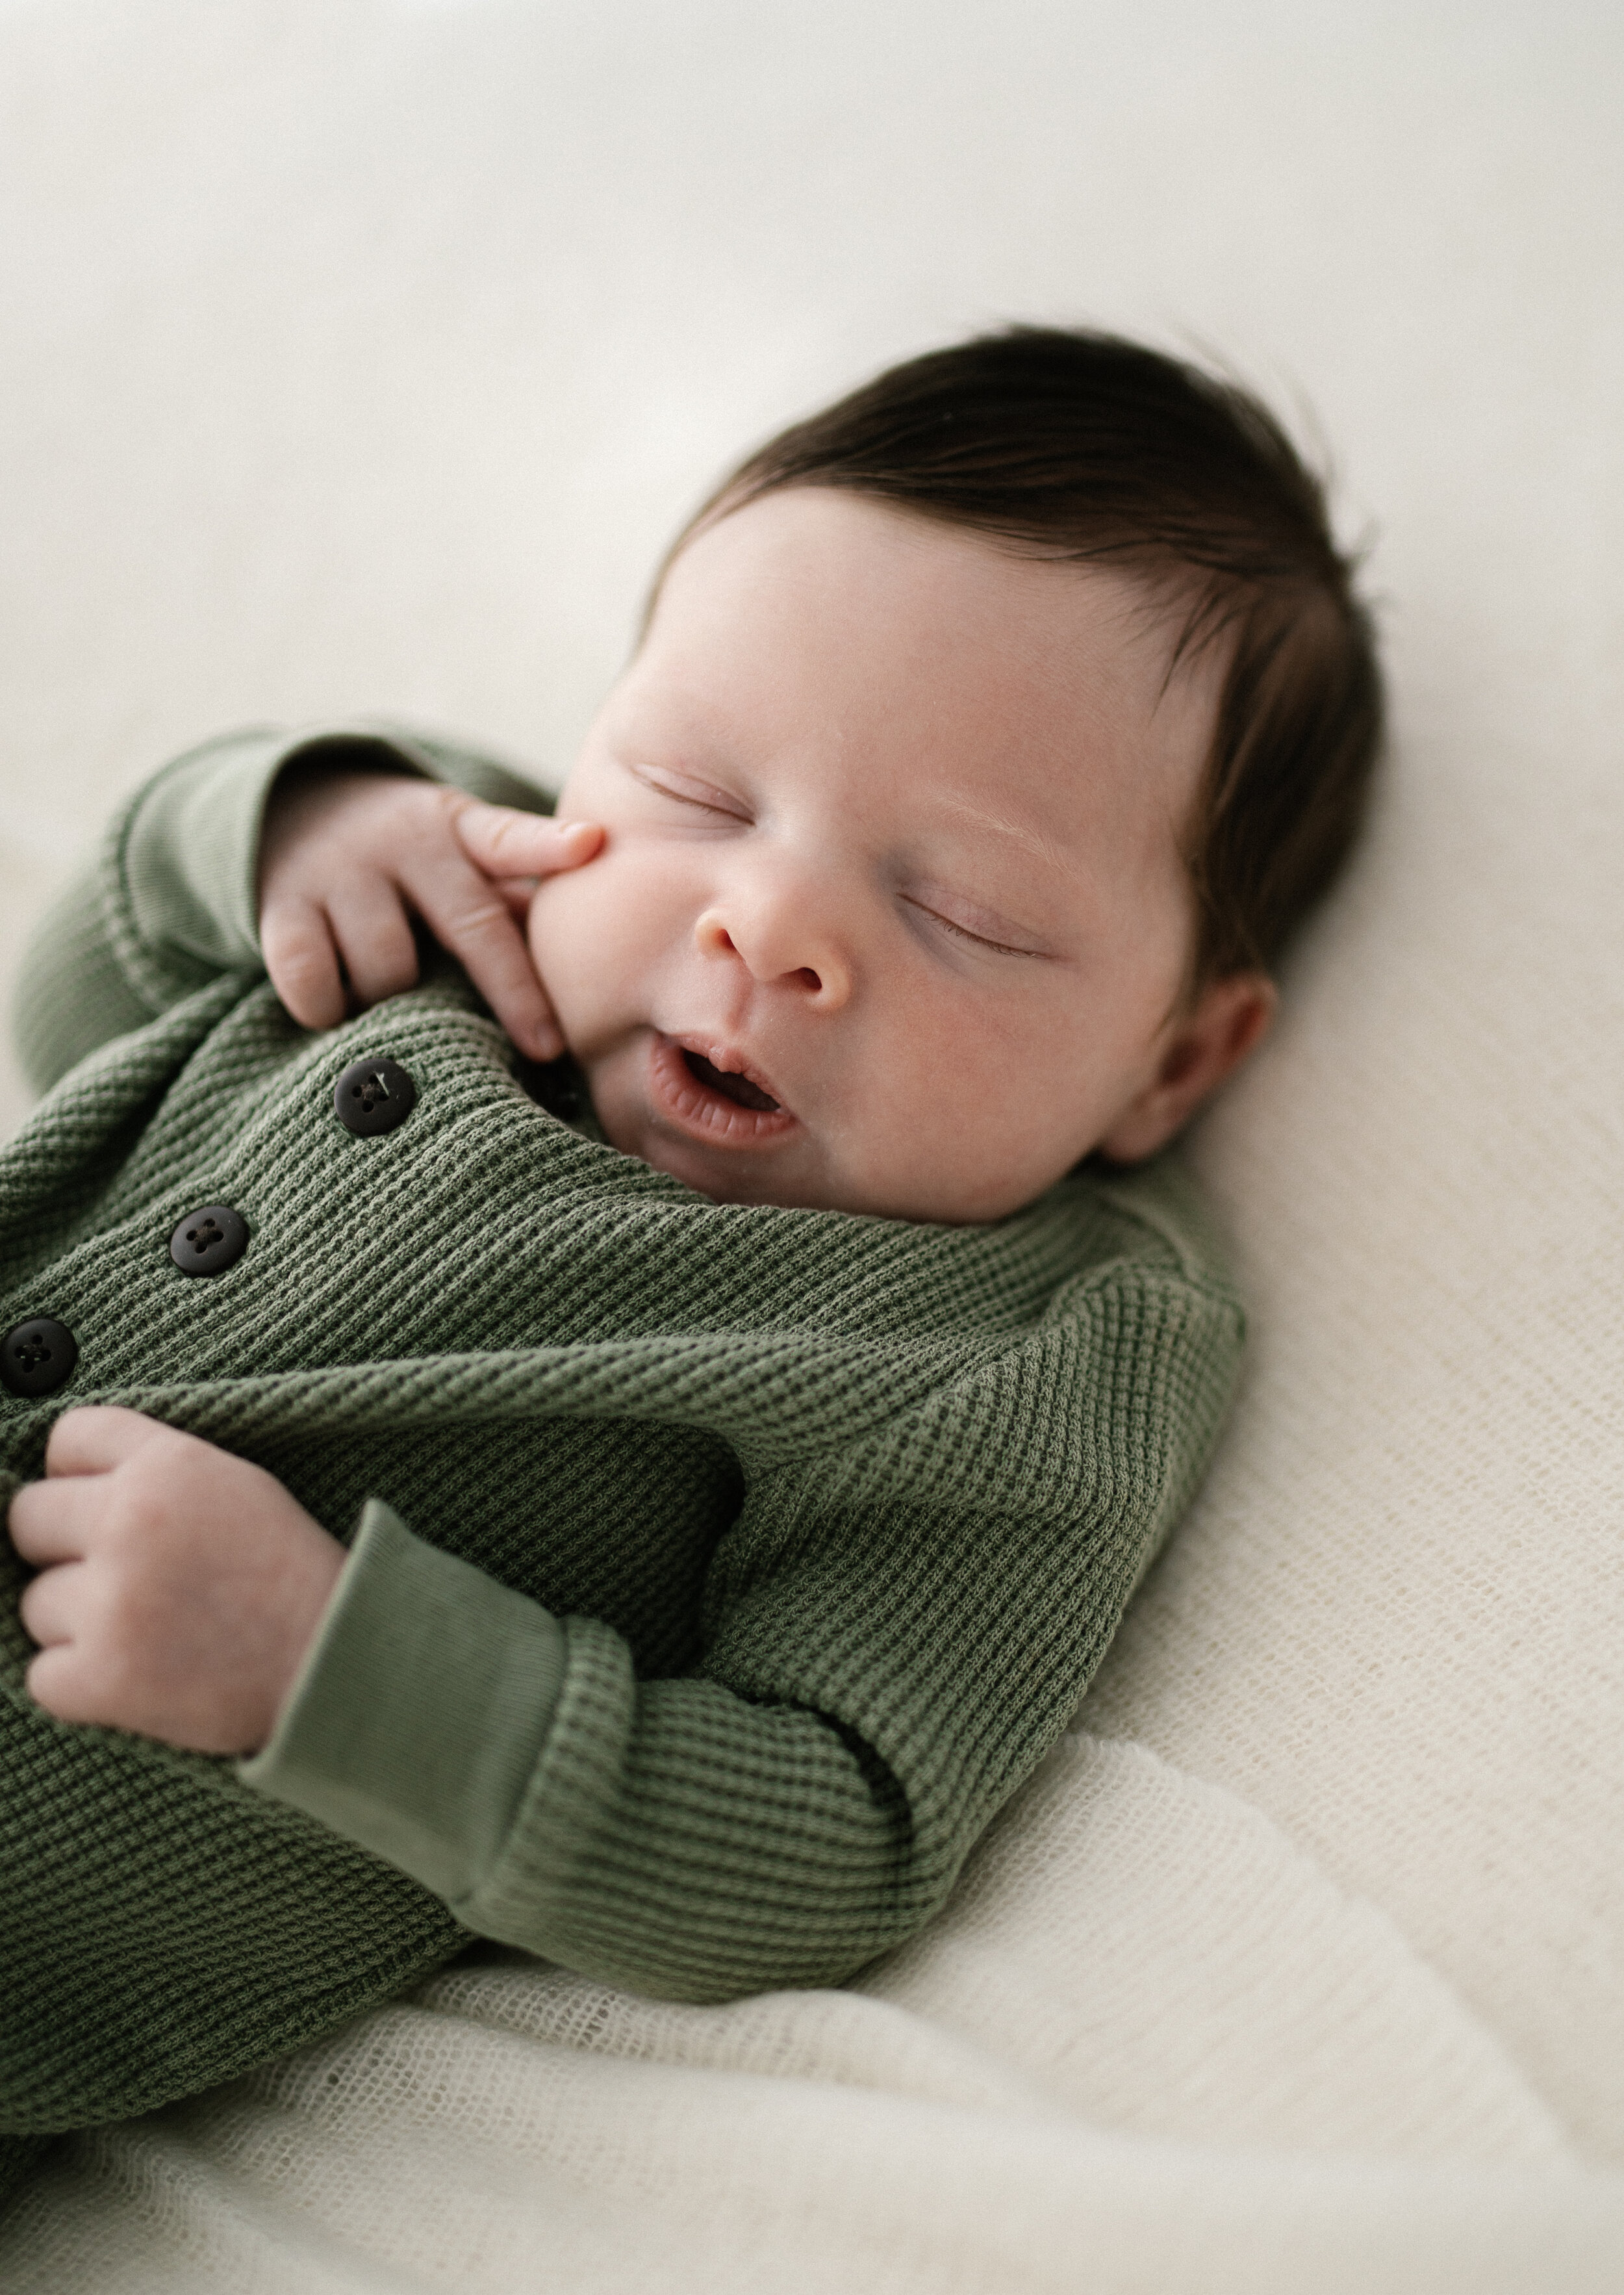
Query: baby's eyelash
(686, 796)
(717, 802)
(962, 932)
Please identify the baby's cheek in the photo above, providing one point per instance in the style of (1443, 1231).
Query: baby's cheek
(559, 930)
(590, 935)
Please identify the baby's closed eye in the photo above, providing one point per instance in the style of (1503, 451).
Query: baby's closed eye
(687, 789)
(988, 938)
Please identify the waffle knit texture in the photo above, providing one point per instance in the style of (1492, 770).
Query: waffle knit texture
(838, 1513)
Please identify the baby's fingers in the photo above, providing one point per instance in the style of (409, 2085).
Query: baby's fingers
(52, 1605)
(51, 1522)
(67, 1682)
(468, 913)
(503, 842)
(297, 942)
(373, 935)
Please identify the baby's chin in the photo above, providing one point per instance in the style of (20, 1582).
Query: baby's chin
(788, 1182)
(884, 1179)
(725, 1176)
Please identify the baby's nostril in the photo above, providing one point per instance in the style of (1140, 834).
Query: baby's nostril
(809, 980)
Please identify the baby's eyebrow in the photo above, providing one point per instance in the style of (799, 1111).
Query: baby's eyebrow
(1031, 840)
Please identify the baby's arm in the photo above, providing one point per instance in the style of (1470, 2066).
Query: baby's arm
(180, 1585)
(897, 1626)
(172, 901)
(348, 859)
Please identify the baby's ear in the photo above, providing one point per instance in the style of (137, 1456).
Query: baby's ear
(1228, 1020)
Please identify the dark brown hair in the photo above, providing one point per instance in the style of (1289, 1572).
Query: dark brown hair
(1089, 450)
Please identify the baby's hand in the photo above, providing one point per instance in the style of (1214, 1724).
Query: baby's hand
(347, 860)
(179, 1586)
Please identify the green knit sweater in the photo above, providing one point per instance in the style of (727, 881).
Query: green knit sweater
(722, 1569)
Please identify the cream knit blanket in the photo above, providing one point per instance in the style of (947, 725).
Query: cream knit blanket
(370, 349)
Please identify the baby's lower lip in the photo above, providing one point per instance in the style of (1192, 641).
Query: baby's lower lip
(685, 1099)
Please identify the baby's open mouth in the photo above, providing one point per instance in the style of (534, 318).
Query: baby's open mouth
(719, 1107)
(737, 1088)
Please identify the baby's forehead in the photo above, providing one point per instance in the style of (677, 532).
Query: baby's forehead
(809, 598)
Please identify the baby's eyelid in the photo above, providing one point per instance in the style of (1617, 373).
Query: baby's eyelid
(684, 791)
(963, 932)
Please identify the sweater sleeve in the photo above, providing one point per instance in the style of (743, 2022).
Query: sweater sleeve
(899, 1630)
(169, 902)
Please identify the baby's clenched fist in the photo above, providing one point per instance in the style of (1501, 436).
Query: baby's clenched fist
(179, 1589)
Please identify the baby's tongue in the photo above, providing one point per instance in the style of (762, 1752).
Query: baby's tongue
(731, 1087)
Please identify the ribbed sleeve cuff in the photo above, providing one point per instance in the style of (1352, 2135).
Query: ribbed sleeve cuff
(419, 1712)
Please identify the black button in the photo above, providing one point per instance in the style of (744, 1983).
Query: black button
(209, 1241)
(37, 1357)
(373, 1097)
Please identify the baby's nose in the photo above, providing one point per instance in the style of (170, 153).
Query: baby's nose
(777, 948)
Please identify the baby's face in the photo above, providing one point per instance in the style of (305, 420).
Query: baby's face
(890, 916)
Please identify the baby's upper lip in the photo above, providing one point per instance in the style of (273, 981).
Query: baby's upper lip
(728, 1057)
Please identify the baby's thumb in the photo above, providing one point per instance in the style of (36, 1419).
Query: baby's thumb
(501, 841)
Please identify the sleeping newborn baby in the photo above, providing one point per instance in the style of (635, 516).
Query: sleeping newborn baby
(633, 1426)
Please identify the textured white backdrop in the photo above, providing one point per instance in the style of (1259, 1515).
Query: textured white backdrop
(360, 355)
